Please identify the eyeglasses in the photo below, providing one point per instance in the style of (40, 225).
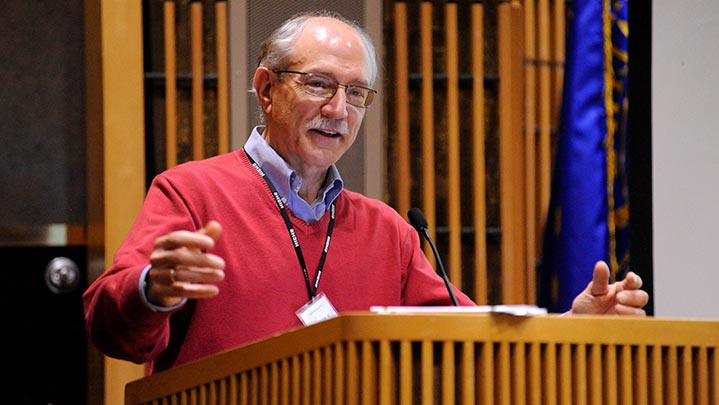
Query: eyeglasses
(326, 87)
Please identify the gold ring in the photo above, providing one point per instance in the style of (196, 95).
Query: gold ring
(172, 277)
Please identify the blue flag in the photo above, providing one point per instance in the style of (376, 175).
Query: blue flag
(588, 217)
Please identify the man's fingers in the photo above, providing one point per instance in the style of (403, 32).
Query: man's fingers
(632, 281)
(600, 279)
(212, 229)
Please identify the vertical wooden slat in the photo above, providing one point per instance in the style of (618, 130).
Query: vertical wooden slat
(448, 373)
(306, 377)
(405, 372)
(702, 383)
(511, 173)
(530, 152)
(385, 373)
(545, 111)
(549, 372)
(454, 194)
(564, 376)
(468, 375)
(534, 374)
(595, 375)
(263, 386)
(627, 379)
(316, 376)
(641, 375)
(243, 396)
(223, 103)
(296, 371)
(519, 373)
(671, 376)
(559, 25)
(352, 395)
(273, 395)
(427, 373)
(686, 375)
(714, 375)
(285, 382)
(339, 375)
(486, 377)
(427, 130)
(504, 374)
(611, 376)
(197, 80)
(401, 78)
(233, 390)
(657, 376)
(580, 375)
(369, 374)
(170, 84)
(478, 156)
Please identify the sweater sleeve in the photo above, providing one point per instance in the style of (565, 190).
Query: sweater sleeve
(117, 321)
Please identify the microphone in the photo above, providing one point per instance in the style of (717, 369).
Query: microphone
(419, 222)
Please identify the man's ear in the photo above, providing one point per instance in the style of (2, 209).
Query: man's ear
(262, 82)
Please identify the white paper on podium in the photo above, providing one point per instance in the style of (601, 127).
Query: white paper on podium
(516, 310)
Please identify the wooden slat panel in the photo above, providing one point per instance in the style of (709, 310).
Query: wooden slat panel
(608, 353)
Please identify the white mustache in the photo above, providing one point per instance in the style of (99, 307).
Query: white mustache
(328, 125)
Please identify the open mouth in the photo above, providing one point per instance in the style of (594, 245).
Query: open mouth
(327, 133)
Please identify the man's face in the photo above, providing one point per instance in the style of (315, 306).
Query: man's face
(309, 131)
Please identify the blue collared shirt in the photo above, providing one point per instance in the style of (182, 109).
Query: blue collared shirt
(288, 182)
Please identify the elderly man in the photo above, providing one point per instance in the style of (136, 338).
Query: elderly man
(251, 243)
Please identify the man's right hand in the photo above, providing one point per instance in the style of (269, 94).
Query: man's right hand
(182, 268)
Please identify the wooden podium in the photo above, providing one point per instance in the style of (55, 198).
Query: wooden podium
(456, 358)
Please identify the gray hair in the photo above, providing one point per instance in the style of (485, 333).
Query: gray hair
(277, 50)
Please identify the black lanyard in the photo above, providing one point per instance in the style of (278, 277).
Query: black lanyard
(311, 290)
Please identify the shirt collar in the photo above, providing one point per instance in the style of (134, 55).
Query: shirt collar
(288, 183)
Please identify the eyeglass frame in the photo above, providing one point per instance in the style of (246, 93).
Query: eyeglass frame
(336, 85)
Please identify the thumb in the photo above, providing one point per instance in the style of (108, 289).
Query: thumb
(600, 278)
(212, 229)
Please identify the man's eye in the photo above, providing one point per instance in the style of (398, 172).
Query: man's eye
(318, 83)
(355, 92)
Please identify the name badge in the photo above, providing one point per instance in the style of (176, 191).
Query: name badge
(318, 309)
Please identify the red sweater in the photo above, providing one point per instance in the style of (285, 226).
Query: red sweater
(374, 258)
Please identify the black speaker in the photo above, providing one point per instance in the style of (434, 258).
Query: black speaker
(46, 352)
